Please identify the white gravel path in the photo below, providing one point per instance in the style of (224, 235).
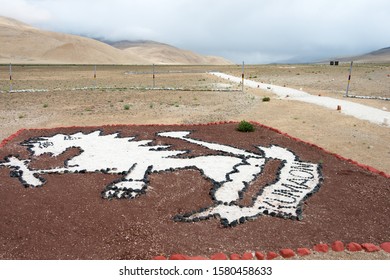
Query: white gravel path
(356, 110)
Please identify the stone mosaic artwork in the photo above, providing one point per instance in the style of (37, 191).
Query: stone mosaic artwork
(230, 171)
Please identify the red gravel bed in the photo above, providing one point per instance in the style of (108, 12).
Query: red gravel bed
(68, 219)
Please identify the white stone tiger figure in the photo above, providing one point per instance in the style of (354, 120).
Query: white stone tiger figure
(231, 171)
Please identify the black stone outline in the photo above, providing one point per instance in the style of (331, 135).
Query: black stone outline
(299, 210)
(15, 172)
(301, 202)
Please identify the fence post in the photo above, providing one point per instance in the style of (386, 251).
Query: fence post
(10, 77)
(154, 77)
(242, 84)
(349, 79)
(94, 77)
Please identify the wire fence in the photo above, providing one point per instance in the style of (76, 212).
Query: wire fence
(368, 81)
(48, 78)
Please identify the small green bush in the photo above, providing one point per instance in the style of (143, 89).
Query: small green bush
(266, 99)
(126, 107)
(245, 126)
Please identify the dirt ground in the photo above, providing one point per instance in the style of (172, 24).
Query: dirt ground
(122, 96)
(71, 96)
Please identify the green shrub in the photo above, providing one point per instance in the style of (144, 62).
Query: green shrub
(126, 107)
(245, 126)
(266, 99)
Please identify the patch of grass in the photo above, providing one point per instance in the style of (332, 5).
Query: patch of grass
(245, 126)
(90, 108)
(266, 99)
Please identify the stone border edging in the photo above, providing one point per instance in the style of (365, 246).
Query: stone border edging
(287, 253)
(8, 139)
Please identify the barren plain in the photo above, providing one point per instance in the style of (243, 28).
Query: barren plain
(52, 96)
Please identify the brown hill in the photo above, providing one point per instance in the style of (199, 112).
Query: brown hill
(165, 54)
(21, 43)
(378, 56)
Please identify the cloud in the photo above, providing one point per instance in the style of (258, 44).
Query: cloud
(258, 31)
(24, 11)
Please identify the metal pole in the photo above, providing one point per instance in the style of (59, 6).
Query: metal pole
(349, 79)
(242, 83)
(10, 77)
(153, 77)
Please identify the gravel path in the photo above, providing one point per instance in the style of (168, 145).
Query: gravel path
(356, 110)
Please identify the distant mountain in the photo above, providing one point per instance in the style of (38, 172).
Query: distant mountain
(384, 51)
(125, 44)
(21, 43)
(161, 53)
(378, 56)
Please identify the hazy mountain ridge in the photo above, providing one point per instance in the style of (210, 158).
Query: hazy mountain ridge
(377, 56)
(163, 53)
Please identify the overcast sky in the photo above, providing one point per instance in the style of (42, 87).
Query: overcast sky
(254, 31)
